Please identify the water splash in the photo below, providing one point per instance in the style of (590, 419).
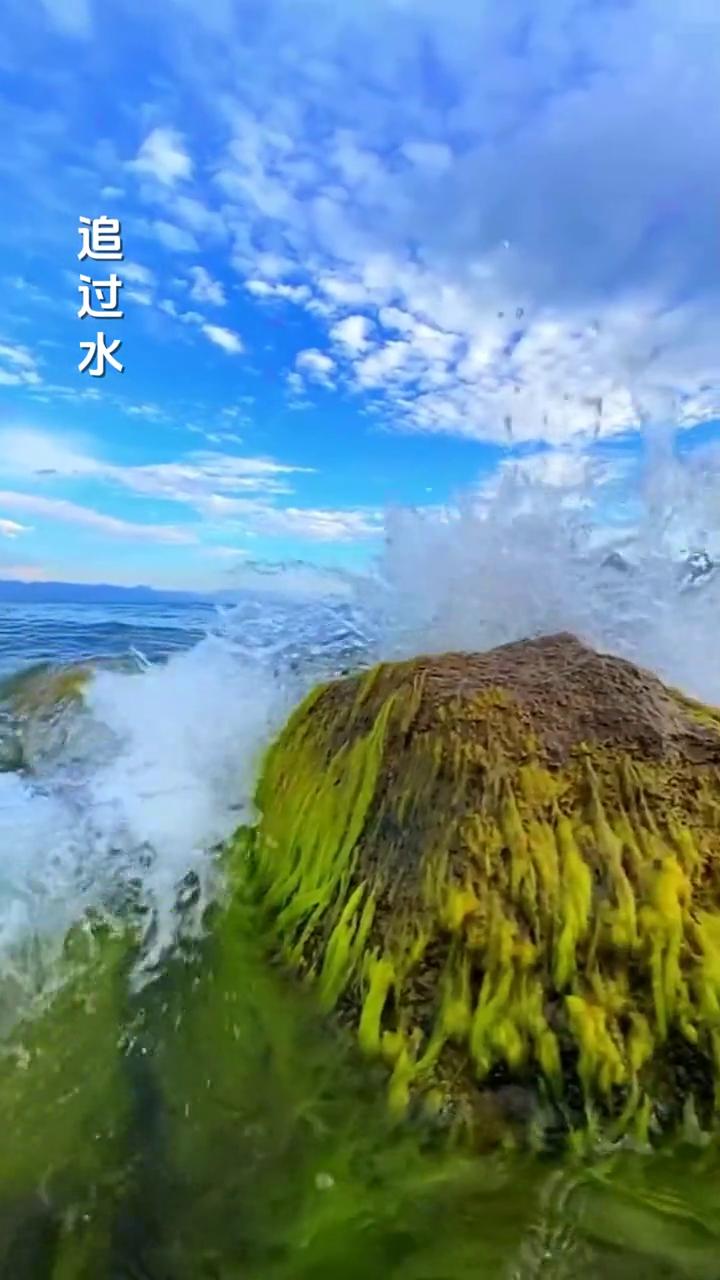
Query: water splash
(127, 793)
(158, 767)
(619, 553)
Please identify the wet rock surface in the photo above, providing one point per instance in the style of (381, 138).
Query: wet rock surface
(501, 870)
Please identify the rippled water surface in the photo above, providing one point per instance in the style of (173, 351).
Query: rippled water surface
(72, 633)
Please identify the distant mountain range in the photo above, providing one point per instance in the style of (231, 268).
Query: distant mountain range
(13, 592)
(696, 569)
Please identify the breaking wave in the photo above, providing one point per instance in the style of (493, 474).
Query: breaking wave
(132, 789)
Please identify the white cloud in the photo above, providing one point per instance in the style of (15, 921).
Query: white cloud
(272, 266)
(193, 479)
(26, 452)
(289, 292)
(163, 156)
(185, 317)
(318, 525)
(11, 529)
(219, 335)
(227, 339)
(343, 291)
(18, 366)
(152, 412)
(61, 511)
(316, 365)
(196, 215)
(434, 157)
(234, 491)
(356, 163)
(135, 273)
(205, 289)
(531, 231)
(30, 292)
(525, 221)
(177, 239)
(387, 362)
(305, 523)
(226, 553)
(352, 333)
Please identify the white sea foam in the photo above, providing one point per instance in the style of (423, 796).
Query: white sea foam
(161, 765)
(606, 549)
(139, 787)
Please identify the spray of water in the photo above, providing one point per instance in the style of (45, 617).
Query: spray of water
(139, 786)
(620, 553)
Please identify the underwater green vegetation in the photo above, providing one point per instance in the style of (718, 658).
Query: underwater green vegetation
(454, 1015)
(212, 1124)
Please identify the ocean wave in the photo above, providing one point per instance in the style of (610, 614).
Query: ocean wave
(142, 778)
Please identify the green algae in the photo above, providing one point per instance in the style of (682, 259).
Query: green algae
(451, 889)
(64, 1106)
(241, 1136)
(314, 822)
(503, 922)
(44, 687)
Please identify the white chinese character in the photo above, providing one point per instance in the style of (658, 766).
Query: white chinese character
(101, 239)
(108, 305)
(103, 352)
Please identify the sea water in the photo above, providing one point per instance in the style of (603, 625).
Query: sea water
(136, 789)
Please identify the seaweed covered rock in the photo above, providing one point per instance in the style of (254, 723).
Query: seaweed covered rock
(44, 686)
(36, 706)
(502, 870)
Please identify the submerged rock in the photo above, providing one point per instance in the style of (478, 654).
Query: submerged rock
(44, 687)
(11, 749)
(36, 707)
(502, 870)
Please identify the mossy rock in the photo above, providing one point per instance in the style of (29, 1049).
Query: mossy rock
(502, 870)
(44, 687)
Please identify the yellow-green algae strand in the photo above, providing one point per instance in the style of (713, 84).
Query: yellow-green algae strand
(483, 915)
(44, 687)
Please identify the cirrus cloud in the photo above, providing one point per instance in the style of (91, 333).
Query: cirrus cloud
(11, 528)
(62, 511)
(226, 339)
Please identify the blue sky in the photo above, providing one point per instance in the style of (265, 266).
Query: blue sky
(374, 252)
